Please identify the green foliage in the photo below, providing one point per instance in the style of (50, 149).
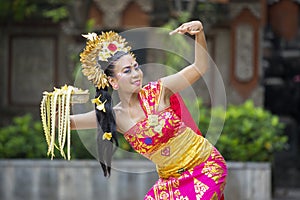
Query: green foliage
(16, 10)
(20, 10)
(78, 150)
(57, 14)
(90, 24)
(24, 138)
(249, 134)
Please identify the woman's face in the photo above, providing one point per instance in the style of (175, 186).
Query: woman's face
(127, 74)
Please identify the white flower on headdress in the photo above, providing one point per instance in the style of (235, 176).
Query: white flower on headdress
(90, 36)
(109, 49)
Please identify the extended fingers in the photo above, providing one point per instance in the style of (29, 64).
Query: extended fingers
(181, 30)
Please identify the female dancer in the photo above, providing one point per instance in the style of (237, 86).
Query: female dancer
(150, 117)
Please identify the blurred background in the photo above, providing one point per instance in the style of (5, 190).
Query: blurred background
(255, 45)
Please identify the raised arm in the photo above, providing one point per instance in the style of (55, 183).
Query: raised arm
(84, 121)
(193, 72)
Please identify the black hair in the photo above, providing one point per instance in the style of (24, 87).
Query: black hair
(106, 120)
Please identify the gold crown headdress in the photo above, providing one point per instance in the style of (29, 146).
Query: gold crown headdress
(100, 48)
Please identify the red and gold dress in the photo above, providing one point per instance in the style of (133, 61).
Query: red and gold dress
(189, 167)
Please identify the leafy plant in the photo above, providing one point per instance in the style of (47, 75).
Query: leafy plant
(20, 10)
(249, 134)
(57, 14)
(24, 138)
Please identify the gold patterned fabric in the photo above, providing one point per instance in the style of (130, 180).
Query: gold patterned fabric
(175, 156)
(189, 167)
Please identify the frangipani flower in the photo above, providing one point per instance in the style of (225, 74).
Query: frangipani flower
(107, 136)
(100, 105)
(90, 36)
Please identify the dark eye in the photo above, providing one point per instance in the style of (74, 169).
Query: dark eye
(127, 70)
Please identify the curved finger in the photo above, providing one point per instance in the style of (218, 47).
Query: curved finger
(194, 32)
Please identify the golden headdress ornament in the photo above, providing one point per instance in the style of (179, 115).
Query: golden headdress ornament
(100, 48)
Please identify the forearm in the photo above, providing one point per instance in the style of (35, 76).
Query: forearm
(194, 71)
(200, 65)
(201, 55)
(83, 121)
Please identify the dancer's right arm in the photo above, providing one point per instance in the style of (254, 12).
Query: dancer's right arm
(83, 121)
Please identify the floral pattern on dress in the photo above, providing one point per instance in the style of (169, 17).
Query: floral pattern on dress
(153, 139)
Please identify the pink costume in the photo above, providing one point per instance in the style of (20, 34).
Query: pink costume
(189, 167)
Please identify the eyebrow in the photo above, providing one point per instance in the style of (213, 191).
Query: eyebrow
(128, 66)
(125, 67)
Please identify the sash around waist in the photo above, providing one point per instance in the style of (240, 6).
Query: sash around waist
(181, 153)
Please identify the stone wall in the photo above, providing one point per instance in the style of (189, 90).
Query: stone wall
(130, 180)
(34, 58)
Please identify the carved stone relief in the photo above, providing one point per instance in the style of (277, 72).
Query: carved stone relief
(236, 8)
(244, 54)
(113, 10)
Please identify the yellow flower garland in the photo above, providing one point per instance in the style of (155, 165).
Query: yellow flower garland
(55, 113)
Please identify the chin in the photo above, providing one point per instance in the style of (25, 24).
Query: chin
(137, 89)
